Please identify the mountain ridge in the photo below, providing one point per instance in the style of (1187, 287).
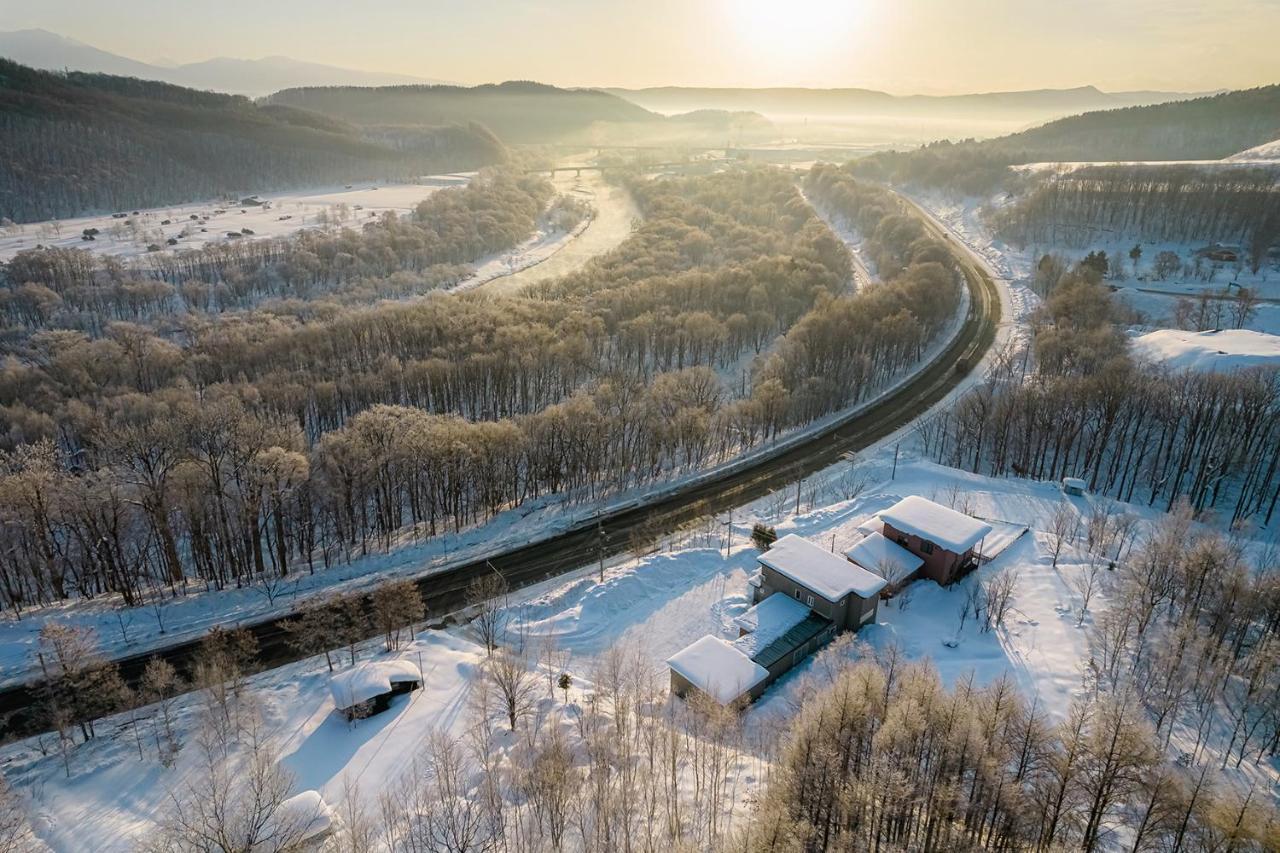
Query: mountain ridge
(49, 51)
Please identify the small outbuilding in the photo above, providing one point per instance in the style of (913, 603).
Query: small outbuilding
(369, 688)
(949, 542)
(305, 819)
(1074, 486)
(717, 669)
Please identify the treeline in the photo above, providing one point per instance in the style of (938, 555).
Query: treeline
(387, 257)
(268, 443)
(886, 758)
(1208, 128)
(1156, 203)
(1132, 430)
(77, 143)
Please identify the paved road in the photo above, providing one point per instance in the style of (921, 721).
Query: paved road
(445, 591)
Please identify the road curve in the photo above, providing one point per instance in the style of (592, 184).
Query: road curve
(445, 591)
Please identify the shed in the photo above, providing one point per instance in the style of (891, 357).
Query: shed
(368, 689)
(1074, 486)
(717, 669)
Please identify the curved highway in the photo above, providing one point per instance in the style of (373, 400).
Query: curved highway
(445, 591)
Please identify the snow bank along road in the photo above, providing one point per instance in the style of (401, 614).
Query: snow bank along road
(444, 590)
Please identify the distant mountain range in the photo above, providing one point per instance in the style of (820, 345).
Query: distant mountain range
(49, 51)
(1244, 122)
(517, 111)
(778, 103)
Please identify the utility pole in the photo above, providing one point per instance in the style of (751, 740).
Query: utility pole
(799, 483)
(894, 475)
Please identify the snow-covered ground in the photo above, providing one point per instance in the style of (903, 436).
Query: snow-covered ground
(1155, 298)
(614, 215)
(130, 631)
(1229, 349)
(852, 240)
(1266, 152)
(200, 223)
(689, 585)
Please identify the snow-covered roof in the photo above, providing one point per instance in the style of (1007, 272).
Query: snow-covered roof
(938, 524)
(818, 570)
(1225, 350)
(369, 680)
(304, 816)
(768, 621)
(1074, 483)
(716, 668)
(888, 559)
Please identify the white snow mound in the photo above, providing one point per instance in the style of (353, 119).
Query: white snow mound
(369, 680)
(1225, 350)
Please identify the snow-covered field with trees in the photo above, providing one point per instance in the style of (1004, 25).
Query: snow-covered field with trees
(132, 233)
(611, 632)
(1153, 283)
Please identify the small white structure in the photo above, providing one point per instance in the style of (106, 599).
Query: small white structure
(819, 571)
(895, 564)
(1074, 486)
(305, 818)
(717, 669)
(368, 688)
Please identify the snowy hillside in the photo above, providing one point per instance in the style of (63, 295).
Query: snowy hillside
(1266, 151)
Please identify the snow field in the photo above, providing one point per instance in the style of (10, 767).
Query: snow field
(285, 213)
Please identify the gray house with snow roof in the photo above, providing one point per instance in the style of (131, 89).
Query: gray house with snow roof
(828, 584)
(802, 597)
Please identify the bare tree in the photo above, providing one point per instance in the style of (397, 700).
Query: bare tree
(397, 605)
(314, 631)
(15, 830)
(231, 804)
(1086, 583)
(487, 596)
(515, 682)
(998, 591)
(160, 686)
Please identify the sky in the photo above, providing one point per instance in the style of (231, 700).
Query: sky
(901, 46)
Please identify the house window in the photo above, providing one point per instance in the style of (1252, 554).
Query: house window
(926, 547)
(797, 593)
(808, 599)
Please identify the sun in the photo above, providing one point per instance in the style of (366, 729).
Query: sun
(793, 30)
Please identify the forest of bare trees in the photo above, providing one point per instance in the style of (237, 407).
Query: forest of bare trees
(1080, 206)
(1132, 430)
(354, 262)
(249, 445)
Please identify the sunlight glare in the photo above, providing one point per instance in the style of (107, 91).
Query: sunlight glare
(792, 30)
